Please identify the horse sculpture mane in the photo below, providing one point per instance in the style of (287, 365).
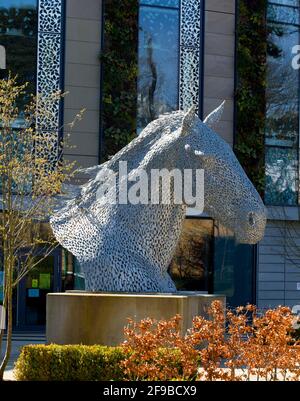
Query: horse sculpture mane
(128, 247)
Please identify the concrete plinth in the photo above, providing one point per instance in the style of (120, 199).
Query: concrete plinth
(99, 318)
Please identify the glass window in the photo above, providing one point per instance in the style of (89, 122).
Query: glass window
(144, 81)
(282, 108)
(158, 62)
(281, 176)
(38, 283)
(192, 262)
(72, 275)
(79, 282)
(18, 34)
(234, 268)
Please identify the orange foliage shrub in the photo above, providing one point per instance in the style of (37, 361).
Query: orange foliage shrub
(228, 345)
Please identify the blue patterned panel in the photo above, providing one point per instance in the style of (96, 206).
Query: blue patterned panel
(281, 176)
(49, 80)
(191, 26)
(50, 16)
(190, 30)
(189, 78)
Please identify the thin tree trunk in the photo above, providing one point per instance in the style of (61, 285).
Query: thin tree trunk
(2, 331)
(8, 347)
(1, 340)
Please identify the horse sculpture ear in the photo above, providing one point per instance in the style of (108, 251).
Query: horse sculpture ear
(188, 121)
(214, 117)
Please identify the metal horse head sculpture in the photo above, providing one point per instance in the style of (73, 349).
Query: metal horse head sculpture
(128, 247)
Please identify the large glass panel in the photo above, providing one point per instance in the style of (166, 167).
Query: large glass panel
(234, 269)
(158, 63)
(18, 34)
(192, 260)
(282, 94)
(29, 304)
(282, 106)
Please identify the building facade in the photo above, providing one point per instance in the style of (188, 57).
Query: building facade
(182, 53)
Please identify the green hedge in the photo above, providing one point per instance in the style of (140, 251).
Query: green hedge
(69, 362)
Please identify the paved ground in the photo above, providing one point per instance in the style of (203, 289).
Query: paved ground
(19, 340)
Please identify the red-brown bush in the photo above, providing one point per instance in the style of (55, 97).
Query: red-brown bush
(239, 344)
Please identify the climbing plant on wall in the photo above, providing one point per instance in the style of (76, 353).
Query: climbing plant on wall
(120, 66)
(252, 47)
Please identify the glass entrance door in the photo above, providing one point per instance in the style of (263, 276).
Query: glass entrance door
(33, 290)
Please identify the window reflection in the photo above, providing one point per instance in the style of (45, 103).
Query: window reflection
(282, 92)
(163, 3)
(71, 273)
(234, 271)
(158, 63)
(192, 262)
(281, 176)
(282, 112)
(280, 13)
(18, 27)
(286, 2)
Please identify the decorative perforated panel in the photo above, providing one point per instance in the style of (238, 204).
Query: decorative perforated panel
(49, 79)
(190, 53)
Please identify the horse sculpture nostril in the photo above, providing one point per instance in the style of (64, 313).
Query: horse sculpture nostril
(251, 219)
